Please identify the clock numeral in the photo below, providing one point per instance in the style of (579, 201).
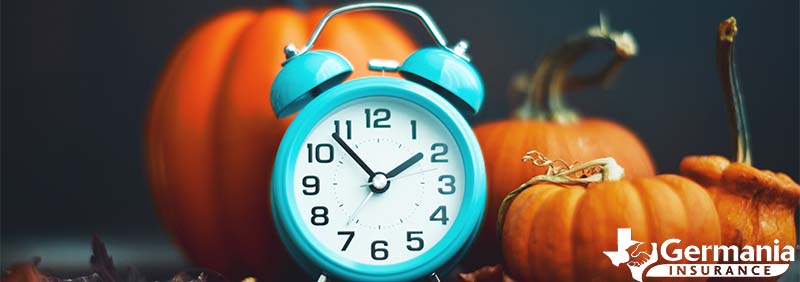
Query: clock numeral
(348, 124)
(319, 216)
(323, 153)
(449, 181)
(311, 181)
(350, 235)
(380, 253)
(443, 218)
(381, 115)
(413, 130)
(438, 157)
(410, 237)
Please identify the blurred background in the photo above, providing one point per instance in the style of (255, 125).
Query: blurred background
(77, 77)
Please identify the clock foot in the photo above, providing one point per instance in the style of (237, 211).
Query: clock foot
(431, 278)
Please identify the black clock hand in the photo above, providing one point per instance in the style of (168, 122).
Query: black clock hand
(405, 165)
(353, 154)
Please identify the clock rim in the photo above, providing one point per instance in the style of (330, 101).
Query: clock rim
(316, 258)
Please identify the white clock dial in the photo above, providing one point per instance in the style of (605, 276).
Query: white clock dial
(415, 170)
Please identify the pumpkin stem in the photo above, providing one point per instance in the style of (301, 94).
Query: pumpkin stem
(559, 172)
(728, 77)
(544, 99)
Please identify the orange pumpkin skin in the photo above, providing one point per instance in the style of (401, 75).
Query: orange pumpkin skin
(211, 135)
(755, 206)
(559, 232)
(543, 121)
(502, 142)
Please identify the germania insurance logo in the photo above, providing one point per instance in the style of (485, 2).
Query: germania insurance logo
(706, 261)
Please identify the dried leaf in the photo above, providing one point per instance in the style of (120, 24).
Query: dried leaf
(94, 277)
(102, 263)
(104, 271)
(201, 275)
(132, 274)
(485, 274)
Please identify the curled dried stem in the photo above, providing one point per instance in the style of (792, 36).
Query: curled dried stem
(562, 172)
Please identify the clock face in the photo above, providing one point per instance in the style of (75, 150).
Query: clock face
(379, 180)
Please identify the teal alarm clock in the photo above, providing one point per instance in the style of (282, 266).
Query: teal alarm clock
(378, 178)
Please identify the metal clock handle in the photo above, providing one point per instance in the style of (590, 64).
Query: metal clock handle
(459, 49)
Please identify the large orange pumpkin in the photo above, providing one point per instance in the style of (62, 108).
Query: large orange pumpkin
(755, 206)
(556, 230)
(211, 135)
(544, 122)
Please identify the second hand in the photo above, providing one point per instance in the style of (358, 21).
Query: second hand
(361, 205)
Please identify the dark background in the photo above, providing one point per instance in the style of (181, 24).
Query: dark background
(77, 76)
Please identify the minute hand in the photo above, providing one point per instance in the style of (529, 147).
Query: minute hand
(405, 165)
(353, 154)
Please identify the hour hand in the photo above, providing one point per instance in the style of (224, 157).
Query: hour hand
(352, 154)
(405, 165)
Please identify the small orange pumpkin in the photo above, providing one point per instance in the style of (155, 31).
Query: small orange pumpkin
(557, 228)
(545, 122)
(755, 206)
(211, 135)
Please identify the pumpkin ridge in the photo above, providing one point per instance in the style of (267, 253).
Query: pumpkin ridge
(649, 224)
(769, 185)
(683, 187)
(590, 242)
(154, 153)
(507, 249)
(705, 170)
(658, 234)
(243, 204)
(189, 119)
(488, 236)
(645, 184)
(165, 89)
(220, 190)
(754, 215)
(539, 199)
(561, 203)
(496, 131)
(505, 154)
(161, 182)
(575, 236)
(649, 230)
